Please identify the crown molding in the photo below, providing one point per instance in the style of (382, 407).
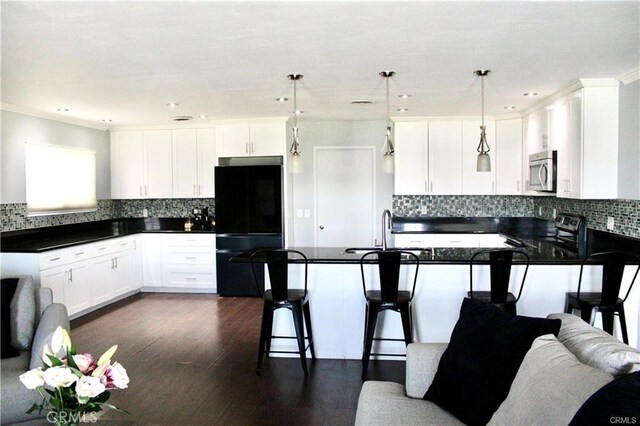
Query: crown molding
(631, 77)
(581, 83)
(51, 116)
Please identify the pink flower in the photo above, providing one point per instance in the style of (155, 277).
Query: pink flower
(115, 377)
(85, 362)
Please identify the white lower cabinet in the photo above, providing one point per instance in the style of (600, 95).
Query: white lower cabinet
(180, 261)
(449, 240)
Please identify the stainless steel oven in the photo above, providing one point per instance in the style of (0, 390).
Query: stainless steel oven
(543, 171)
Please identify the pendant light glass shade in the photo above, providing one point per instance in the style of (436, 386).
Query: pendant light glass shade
(295, 162)
(388, 165)
(484, 161)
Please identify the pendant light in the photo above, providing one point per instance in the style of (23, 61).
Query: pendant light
(295, 165)
(484, 161)
(388, 148)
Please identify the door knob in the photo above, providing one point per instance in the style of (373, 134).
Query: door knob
(321, 226)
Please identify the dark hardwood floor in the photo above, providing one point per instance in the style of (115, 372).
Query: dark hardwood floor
(192, 359)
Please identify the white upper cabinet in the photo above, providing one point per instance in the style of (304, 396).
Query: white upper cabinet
(158, 164)
(141, 164)
(445, 157)
(474, 182)
(127, 158)
(193, 162)
(588, 162)
(251, 139)
(508, 157)
(411, 166)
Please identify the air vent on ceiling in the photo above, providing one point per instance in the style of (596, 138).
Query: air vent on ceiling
(362, 102)
(182, 118)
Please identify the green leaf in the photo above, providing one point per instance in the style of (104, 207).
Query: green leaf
(103, 397)
(76, 371)
(113, 407)
(70, 362)
(55, 361)
(34, 407)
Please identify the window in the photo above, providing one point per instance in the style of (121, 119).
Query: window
(59, 179)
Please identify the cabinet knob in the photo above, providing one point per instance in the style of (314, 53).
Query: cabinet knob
(321, 226)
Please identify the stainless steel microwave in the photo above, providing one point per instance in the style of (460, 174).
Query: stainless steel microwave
(543, 171)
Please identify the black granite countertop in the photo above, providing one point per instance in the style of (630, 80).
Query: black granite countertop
(543, 253)
(38, 240)
(512, 226)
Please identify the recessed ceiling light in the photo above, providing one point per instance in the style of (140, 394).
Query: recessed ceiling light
(530, 94)
(362, 102)
(299, 112)
(402, 110)
(172, 104)
(182, 118)
(404, 96)
(203, 116)
(282, 99)
(106, 120)
(63, 109)
(510, 107)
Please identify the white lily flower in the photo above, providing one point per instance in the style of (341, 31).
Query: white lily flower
(46, 350)
(56, 340)
(106, 357)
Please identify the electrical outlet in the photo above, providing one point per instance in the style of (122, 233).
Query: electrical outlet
(610, 223)
(540, 211)
(555, 213)
(423, 209)
(145, 212)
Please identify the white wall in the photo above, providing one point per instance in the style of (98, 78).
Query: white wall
(629, 145)
(19, 128)
(336, 133)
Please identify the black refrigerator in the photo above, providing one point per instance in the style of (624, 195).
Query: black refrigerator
(248, 215)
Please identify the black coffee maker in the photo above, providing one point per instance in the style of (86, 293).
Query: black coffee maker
(201, 219)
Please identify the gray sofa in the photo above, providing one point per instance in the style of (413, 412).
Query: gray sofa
(34, 318)
(556, 377)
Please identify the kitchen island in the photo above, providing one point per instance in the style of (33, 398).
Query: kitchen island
(338, 305)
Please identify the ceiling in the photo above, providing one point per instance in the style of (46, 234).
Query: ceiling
(126, 60)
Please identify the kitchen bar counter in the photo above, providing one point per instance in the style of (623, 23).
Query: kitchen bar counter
(39, 240)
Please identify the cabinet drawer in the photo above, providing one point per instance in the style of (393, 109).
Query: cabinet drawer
(415, 240)
(124, 244)
(52, 259)
(203, 256)
(189, 240)
(98, 249)
(199, 279)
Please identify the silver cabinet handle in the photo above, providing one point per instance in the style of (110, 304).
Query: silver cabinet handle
(246, 147)
(493, 186)
(190, 257)
(431, 190)
(518, 186)
(194, 189)
(70, 275)
(53, 259)
(321, 226)
(141, 193)
(191, 279)
(146, 190)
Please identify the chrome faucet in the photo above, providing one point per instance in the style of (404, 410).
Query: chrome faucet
(386, 224)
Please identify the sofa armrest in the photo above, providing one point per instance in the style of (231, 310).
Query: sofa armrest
(53, 316)
(44, 297)
(422, 364)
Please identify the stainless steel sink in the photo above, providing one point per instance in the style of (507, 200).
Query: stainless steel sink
(361, 250)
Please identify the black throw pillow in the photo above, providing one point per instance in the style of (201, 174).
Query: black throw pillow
(486, 349)
(7, 290)
(617, 402)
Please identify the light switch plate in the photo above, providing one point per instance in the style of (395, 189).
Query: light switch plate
(299, 213)
(307, 213)
(610, 223)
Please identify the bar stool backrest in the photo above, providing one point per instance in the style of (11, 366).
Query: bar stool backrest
(613, 265)
(389, 272)
(277, 261)
(500, 262)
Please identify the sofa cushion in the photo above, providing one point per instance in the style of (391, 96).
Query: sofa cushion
(23, 314)
(617, 401)
(485, 351)
(596, 347)
(385, 403)
(8, 289)
(550, 386)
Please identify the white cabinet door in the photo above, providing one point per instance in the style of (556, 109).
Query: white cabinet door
(445, 144)
(152, 260)
(77, 291)
(508, 157)
(127, 159)
(158, 164)
(268, 139)
(185, 163)
(233, 140)
(121, 277)
(411, 171)
(206, 162)
(101, 284)
(55, 279)
(474, 182)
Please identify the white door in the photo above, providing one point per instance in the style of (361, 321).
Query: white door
(344, 196)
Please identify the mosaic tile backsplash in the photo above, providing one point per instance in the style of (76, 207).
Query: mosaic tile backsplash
(462, 206)
(12, 216)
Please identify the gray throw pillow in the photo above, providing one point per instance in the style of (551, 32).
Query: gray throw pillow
(23, 314)
(550, 387)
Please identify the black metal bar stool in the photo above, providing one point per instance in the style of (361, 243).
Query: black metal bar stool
(280, 296)
(607, 302)
(389, 297)
(500, 262)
